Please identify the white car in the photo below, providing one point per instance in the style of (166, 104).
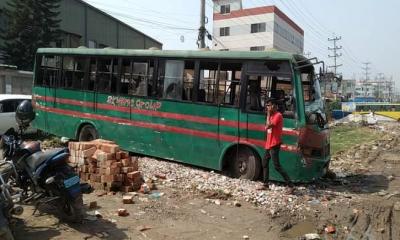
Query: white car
(8, 105)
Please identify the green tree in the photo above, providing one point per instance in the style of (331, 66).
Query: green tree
(31, 24)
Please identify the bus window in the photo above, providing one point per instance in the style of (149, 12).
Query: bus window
(229, 83)
(188, 81)
(171, 79)
(284, 94)
(207, 91)
(105, 69)
(137, 84)
(115, 75)
(79, 72)
(50, 67)
(92, 75)
(68, 70)
(258, 91)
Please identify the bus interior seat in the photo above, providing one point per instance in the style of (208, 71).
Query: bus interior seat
(201, 95)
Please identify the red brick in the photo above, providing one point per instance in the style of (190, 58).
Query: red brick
(135, 163)
(85, 168)
(93, 177)
(134, 175)
(113, 170)
(109, 148)
(126, 162)
(127, 199)
(122, 212)
(124, 154)
(118, 155)
(117, 164)
(102, 171)
(107, 163)
(86, 145)
(128, 169)
(89, 152)
(111, 178)
(103, 156)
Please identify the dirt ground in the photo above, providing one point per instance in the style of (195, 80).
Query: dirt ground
(363, 202)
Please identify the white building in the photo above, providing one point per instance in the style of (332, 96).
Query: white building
(256, 29)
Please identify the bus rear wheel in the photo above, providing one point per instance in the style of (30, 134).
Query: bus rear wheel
(87, 133)
(245, 164)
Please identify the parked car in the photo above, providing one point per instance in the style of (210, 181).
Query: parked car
(8, 105)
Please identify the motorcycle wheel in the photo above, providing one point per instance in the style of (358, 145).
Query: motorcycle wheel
(5, 233)
(71, 210)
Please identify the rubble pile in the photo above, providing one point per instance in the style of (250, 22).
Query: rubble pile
(102, 164)
(215, 185)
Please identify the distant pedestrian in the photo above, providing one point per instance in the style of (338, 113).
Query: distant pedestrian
(274, 127)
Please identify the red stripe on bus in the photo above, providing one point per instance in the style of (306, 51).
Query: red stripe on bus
(176, 116)
(160, 127)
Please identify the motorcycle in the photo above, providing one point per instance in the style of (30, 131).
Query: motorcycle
(7, 206)
(43, 177)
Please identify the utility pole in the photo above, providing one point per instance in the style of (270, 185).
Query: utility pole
(307, 54)
(381, 80)
(366, 69)
(335, 54)
(201, 42)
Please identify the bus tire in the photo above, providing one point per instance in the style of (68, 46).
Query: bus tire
(245, 164)
(87, 133)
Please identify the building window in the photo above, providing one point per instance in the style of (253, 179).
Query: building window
(257, 48)
(225, 9)
(224, 31)
(258, 27)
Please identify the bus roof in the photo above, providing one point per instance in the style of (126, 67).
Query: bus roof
(250, 55)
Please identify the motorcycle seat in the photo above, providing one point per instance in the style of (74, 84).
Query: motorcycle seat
(36, 159)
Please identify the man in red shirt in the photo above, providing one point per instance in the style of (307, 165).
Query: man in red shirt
(274, 126)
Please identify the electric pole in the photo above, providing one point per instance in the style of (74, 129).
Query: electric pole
(307, 54)
(381, 80)
(335, 53)
(366, 69)
(201, 42)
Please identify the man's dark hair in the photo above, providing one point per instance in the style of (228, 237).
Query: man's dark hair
(272, 101)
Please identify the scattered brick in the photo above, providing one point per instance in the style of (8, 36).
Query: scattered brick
(127, 199)
(93, 205)
(122, 212)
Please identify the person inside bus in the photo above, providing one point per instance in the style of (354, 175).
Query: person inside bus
(281, 101)
(274, 127)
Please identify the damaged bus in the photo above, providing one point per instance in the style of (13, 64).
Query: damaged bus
(204, 108)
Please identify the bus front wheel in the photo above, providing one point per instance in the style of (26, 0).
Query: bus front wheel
(245, 164)
(87, 133)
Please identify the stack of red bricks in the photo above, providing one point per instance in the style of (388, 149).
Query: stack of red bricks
(102, 164)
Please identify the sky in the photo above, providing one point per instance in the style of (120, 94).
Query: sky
(369, 29)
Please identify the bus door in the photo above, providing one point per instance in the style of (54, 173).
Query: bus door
(86, 73)
(264, 80)
(229, 86)
(105, 86)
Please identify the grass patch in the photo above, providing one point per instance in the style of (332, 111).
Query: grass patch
(346, 136)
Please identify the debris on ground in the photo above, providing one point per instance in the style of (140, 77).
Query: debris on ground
(122, 212)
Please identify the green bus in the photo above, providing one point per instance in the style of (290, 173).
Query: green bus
(204, 108)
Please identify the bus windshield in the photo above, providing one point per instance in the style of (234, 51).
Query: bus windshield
(312, 92)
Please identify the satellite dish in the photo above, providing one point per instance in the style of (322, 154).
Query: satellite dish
(182, 38)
